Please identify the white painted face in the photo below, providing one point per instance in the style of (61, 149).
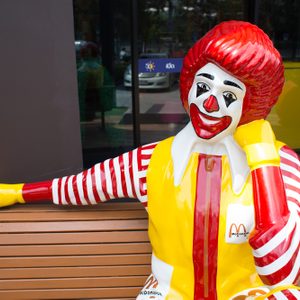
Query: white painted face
(215, 103)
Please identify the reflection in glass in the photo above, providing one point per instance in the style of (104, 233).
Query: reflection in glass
(280, 19)
(102, 43)
(167, 29)
(172, 27)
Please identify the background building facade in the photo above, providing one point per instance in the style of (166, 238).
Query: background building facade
(73, 92)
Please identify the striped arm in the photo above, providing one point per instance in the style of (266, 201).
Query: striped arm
(290, 294)
(120, 177)
(287, 293)
(290, 169)
(277, 259)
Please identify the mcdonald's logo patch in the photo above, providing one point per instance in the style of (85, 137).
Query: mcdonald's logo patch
(238, 230)
(239, 223)
(151, 282)
(150, 290)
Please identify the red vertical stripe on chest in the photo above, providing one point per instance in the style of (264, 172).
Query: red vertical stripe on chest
(206, 226)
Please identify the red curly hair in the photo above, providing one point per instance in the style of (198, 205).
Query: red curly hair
(247, 53)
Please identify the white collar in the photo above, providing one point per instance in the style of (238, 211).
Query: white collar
(187, 142)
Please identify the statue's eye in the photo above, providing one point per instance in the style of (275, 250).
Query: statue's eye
(202, 88)
(229, 97)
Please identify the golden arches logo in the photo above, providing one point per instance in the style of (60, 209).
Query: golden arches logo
(151, 282)
(240, 230)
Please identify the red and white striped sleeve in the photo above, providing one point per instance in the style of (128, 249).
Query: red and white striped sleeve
(120, 177)
(290, 169)
(292, 293)
(276, 251)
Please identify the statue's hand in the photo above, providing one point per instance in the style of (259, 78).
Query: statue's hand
(10, 194)
(258, 141)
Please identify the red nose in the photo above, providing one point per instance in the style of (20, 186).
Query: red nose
(211, 104)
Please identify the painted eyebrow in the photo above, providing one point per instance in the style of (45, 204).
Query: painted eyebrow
(209, 76)
(228, 82)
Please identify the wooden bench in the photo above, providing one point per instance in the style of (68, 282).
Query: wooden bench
(50, 252)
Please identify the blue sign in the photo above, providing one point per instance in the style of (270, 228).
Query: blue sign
(160, 65)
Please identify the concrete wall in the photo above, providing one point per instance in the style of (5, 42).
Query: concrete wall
(39, 114)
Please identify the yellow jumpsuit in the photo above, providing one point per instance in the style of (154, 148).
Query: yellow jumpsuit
(199, 230)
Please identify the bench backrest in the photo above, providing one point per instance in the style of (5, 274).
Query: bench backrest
(48, 252)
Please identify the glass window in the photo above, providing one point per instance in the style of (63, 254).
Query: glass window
(166, 30)
(170, 28)
(102, 43)
(280, 19)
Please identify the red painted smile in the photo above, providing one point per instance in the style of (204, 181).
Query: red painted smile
(207, 127)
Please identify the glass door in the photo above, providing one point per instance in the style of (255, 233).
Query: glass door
(102, 43)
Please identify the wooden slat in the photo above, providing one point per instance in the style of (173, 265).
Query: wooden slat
(73, 237)
(72, 226)
(117, 293)
(94, 249)
(60, 261)
(49, 207)
(49, 252)
(60, 272)
(73, 215)
(88, 282)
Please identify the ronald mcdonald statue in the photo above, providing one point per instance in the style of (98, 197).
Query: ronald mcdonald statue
(223, 194)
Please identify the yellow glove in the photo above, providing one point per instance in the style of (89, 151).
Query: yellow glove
(258, 141)
(11, 194)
